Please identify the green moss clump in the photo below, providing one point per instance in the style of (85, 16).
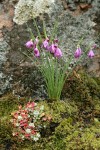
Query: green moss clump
(5, 131)
(82, 87)
(60, 109)
(85, 91)
(84, 138)
(77, 136)
(8, 103)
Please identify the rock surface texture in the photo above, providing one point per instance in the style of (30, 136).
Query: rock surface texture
(76, 19)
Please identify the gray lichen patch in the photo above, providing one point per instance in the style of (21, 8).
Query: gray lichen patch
(26, 9)
(4, 80)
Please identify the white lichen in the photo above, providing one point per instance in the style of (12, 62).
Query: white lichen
(26, 9)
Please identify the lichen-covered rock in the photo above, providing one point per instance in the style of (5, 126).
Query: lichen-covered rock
(4, 79)
(72, 25)
(27, 9)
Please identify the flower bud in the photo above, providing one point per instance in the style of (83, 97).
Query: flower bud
(78, 52)
(91, 54)
(36, 52)
(29, 44)
(58, 53)
(52, 48)
(45, 43)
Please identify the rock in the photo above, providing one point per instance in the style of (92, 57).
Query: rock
(4, 80)
(17, 73)
(28, 9)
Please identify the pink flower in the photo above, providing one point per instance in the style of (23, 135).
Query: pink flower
(91, 54)
(24, 115)
(78, 52)
(36, 52)
(27, 136)
(30, 105)
(29, 44)
(46, 43)
(58, 53)
(52, 48)
(33, 132)
(23, 123)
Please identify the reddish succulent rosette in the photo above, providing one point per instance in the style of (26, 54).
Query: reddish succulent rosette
(25, 121)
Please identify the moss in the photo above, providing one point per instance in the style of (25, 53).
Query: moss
(84, 138)
(60, 109)
(8, 103)
(82, 87)
(5, 131)
(85, 92)
(78, 137)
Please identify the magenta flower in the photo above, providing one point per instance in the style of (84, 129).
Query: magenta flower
(46, 43)
(91, 54)
(56, 40)
(29, 44)
(36, 52)
(52, 48)
(78, 52)
(58, 53)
